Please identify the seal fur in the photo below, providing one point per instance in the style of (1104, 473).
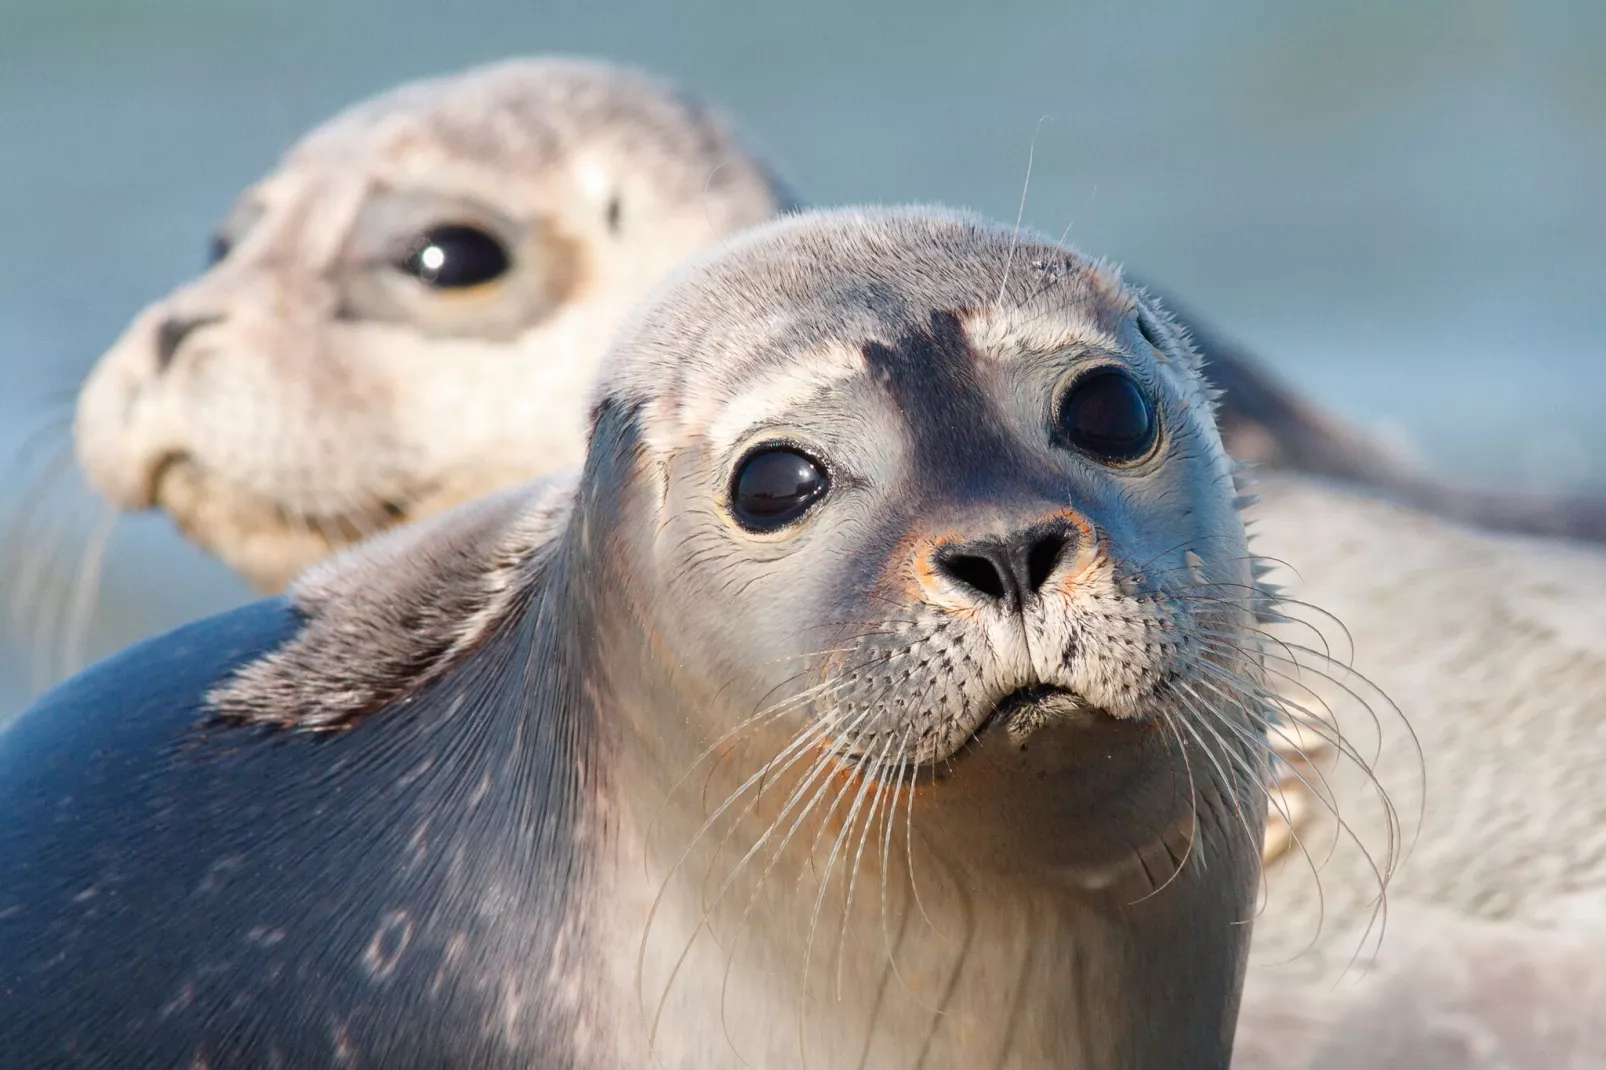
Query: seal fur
(520, 851)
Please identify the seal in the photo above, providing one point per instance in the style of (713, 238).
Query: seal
(407, 312)
(881, 692)
(1488, 950)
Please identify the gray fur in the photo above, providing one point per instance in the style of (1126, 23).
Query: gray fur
(404, 610)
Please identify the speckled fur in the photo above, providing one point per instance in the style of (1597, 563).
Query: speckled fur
(395, 614)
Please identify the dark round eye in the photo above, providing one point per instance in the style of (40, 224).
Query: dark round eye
(774, 486)
(453, 256)
(1105, 413)
(217, 248)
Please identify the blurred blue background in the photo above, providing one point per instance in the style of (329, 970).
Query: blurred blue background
(1400, 207)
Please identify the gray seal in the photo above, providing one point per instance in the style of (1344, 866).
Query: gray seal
(880, 693)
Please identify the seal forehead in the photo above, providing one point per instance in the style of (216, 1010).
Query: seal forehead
(809, 299)
(533, 113)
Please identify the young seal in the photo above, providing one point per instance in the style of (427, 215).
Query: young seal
(406, 314)
(880, 695)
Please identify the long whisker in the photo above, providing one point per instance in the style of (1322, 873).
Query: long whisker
(87, 590)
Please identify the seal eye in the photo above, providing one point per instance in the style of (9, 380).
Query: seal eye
(454, 256)
(1106, 414)
(774, 486)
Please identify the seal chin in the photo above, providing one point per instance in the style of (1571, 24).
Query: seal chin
(1017, 716)
(265, 540)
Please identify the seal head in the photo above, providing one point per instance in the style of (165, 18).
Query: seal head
(409, 307)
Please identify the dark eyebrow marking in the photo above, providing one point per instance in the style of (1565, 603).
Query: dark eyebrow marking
(956, 431)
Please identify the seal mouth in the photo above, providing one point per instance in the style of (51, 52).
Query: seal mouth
(1027, 710)
(1011, 720)
(179, 476)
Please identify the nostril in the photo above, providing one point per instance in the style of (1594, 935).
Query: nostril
(975, 572)
(1043, 559)
(171, 334)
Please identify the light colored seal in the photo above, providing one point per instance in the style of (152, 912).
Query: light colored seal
(1490, 949)
(882, 693)
(407, 314)
(408, 311)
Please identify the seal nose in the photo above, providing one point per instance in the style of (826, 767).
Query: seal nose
(171, 334)
(1010, 570)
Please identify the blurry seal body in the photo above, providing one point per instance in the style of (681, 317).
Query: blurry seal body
(963, 770)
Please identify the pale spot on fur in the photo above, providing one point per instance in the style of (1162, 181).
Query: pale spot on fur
(181, 1001)
(773, 396)
(594, 179)
(216, 872)
(1196, 570)
(1002, 334)
(390, 940)
(340, 1038)
(263, 936)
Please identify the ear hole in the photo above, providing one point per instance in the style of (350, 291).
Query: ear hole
(615, 209)
(1149, 329)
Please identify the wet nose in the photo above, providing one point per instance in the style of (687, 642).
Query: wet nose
(1008, 571)
(171, 334)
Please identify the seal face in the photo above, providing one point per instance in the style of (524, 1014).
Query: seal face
(880, 694)
(419, 292)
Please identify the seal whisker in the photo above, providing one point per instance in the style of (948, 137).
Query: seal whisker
(1169, 720)
(1322, 726)
(1237, 759)
(21, 548)
(1392, 857)
(1382, 873)
(844, 834)
(877, 792)
(1031, 155)
(806, 735)
(86, 590)
(1280, 803)
(759, 716)
(820, 770)
(51, 593)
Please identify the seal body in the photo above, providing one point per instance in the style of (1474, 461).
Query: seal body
(182, 896)
(881, 693)
(1480, 805)
(388, 896)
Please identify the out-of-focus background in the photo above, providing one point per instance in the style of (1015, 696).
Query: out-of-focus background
(1402, 208)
